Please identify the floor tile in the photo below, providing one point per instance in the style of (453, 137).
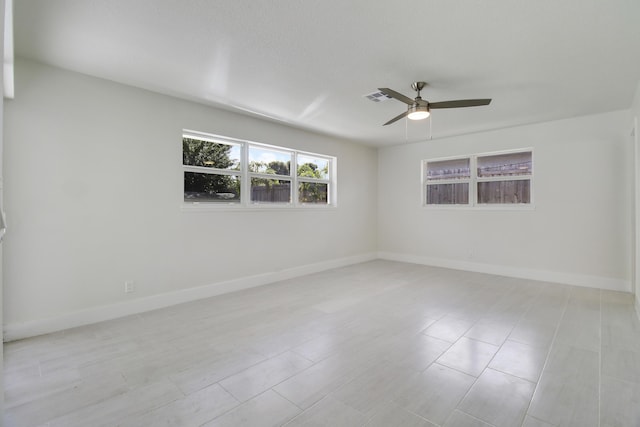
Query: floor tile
(580, 332)
(422, 353)
(193, 410)
(264, 375)
(28, 385)
(568, 360)
(566, 400)
(534, 422)
(469, 356)
(323, 346)
(536, 333)
(79, 354)
(620, 403)
(568, 390)
(374, 387)
(394, 343)
(277, 343)
(435, 393)
(312, 384)
(331, 413)
(621, 363)
(90, 391)
(498, 399)
(266, 410)
(513, 303)
(390, 414)
(448, 328)
(491, 332)
(546, 309)
(208, 372)
(620, 327)
(520, 360)
(122, 407)
(460, 419)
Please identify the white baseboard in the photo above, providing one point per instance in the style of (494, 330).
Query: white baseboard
(607, 283)
(16, 331)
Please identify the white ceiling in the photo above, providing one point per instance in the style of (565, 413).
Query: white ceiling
(309, 63)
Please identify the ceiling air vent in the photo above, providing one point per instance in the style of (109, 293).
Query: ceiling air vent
(377, 96)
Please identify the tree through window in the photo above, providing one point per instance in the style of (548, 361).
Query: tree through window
(214, 172)
(228, 171)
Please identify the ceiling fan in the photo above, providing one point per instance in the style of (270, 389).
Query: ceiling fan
(420, 109)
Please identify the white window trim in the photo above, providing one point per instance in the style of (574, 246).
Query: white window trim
(473, 181)
(245, 176)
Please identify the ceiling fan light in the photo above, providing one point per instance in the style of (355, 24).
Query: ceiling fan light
(418, 113)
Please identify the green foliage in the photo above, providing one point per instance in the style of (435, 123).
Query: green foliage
(311, 192)
(200, 153)
(309, 170)
(205, 153)
(272, 168)
(208, 154)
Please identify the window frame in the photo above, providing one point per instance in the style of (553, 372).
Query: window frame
(474, 179)
(245, 176)
(301, 179)
(465, 180)
(267, 176)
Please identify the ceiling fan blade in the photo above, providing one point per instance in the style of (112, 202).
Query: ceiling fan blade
(398, 117)
(460, 103)
(392, 93)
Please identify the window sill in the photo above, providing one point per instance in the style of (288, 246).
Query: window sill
(527, 207)
(204, 207)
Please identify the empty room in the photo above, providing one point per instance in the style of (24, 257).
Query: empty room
(320, 213)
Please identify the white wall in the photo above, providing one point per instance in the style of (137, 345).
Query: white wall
(94, 193)
(578, 233)
(2, 40)
(635, 112)
(93, 190)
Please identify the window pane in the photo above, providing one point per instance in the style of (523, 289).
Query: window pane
(448, 194)
(448, 169)
(204, 187)
(313, 192)
(196, 152)
(505, 191)
(313, 167)
(270, 190)
(269, 161)
(512, 164)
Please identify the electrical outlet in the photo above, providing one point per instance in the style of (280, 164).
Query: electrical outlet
(128, 286)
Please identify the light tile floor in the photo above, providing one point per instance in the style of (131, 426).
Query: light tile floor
(374, 344)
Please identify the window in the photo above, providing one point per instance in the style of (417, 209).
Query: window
(270, 173)
(504, 178)
(479, 180)
(448, 182)
(313, 179)
(211, 170)
(228, 172)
